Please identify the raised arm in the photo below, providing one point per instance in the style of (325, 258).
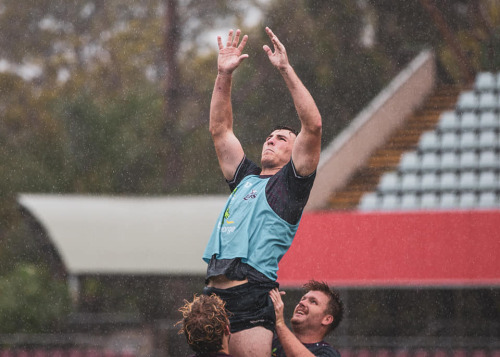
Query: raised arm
(307, 147)
(290, 343)
(227, 146)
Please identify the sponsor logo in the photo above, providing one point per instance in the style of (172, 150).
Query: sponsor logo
(228, 230)
(251, 195)
(253, 322)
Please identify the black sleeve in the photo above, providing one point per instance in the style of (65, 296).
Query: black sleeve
(287, 193)
(245, 168)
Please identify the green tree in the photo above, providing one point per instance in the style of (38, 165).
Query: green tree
(449, 27)
(31, 301)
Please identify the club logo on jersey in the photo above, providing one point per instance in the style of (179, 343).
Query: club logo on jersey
(251, 195)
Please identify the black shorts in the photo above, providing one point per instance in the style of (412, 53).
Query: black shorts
(249, 305)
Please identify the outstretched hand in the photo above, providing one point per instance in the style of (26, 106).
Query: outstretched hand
(230, 56)
(278, 58)
(279, 306)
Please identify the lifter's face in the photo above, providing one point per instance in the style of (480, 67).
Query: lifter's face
(277, 149)
(311, 311)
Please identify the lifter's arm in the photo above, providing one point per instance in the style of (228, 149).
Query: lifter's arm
(290, 343)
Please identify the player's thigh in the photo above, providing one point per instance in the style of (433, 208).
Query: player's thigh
(254, 342)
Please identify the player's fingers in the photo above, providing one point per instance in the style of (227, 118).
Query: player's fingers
(268, 50)
(236, 38)
(243, 43)
(229, 38)
(277, 44)
(219, 42)
(274, 39)
(269, 33)
(241, 58)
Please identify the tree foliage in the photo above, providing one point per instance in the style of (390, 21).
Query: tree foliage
(31, 301)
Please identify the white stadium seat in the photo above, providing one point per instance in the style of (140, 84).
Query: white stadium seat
(488, 139)
(467, 101)
(450, 161)
(488, 101)
(450, 141)
(449, 121)
(369, 202)
(429, 200)
(468, 160)
(409, 201)
(468, 180)
(410, 182)
(468, 140)
(389, 202)
(469, 121)
(488, 180)
(488, 159)
(430, 161)
(448, 200)
(449, 181)
(430, 141)
(488, 199)
(430, 182)
(390, 182)
(410, 161)
(467, 200)
(485, 81)
(489, 120)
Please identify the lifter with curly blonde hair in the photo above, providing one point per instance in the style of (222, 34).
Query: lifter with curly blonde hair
(205, 324)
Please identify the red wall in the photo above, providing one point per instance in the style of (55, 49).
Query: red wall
(395, 249)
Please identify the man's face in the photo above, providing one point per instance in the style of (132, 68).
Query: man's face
(277, 149)
(311, 311)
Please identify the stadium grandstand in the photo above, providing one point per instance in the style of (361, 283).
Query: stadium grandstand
(455, 165)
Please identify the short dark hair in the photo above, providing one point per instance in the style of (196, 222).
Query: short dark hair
(285, 127)
(204, 323)
(335, 305)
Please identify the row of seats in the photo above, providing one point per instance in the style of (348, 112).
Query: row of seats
(473, 101)
(456, 165)
(431, 181)
(433, 140)
(487, 82)
(416, 161)
(429, 200)
(455, 121)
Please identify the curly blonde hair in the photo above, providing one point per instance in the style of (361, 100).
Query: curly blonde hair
(204, 323)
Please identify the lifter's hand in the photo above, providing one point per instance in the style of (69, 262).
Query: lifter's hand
(230, 56)
(275, 295)
(278, 58)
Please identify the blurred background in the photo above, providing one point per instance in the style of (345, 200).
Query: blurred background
(111, 98)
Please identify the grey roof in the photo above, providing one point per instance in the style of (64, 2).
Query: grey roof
(127, 235)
